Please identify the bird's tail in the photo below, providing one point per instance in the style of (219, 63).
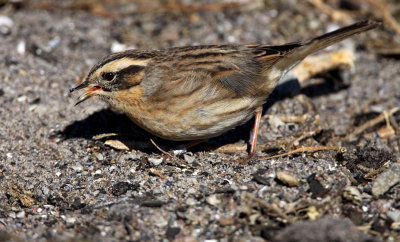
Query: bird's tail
(313, 45)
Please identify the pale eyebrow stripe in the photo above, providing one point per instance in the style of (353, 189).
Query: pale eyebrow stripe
(119, 64)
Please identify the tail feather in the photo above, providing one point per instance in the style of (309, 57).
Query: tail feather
(313, 45)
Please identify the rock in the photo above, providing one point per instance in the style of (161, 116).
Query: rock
(316, 188)
(394, 215)
(70, 220)
(5, 25)
(153, 204)
(386, 180)
(188, 158)
(287, 179)
(172, 232)
(213, 200)
(21, 47)
(121, 188)
(100, 157)
(21, 214)
(275, 122)
(325, 229)
(77, 167)
(155, 161)
(191, 201)
(353, 195)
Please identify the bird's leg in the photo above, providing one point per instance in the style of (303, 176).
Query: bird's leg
(257, 118)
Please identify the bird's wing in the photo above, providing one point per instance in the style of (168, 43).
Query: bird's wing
(185, 70)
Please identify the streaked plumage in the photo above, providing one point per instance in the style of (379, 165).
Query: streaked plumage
(198, 92)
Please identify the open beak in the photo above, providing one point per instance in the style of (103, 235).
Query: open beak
(90, 92)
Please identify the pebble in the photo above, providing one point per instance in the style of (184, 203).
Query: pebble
(188, 158)
(5, 25)
(352, 194)
(172, 232)
(22, 99)
(213, 200)
(12, 215)
(70, 220)
(21, 214)
(179, 152)
(100, 157)
(386, 180)
(287, 179)
(133, 156)
(275, 122)
(394, 215)
(155, 161)
(191, 190)
(112, 168)
(21, 47)
(78, 167)
(191, 201)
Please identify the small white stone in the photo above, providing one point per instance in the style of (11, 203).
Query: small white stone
(243, 188)
(394, 215)
(100, 157)
(155, 161)
(71, 220)
(45, 191)
(188, 158)
(6, 21)
(22, 99)
(21, 46)
(112, 168)
(117, 47)
(12, 215)
(213, 200)
(191, 190)
(275, 122)
(58, 174)
(78, 167)
(98, 172)
(191, 201)
(179, 151)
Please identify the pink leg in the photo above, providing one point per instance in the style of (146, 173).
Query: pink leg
(257, 118)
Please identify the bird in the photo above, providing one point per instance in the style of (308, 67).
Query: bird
(194, 93)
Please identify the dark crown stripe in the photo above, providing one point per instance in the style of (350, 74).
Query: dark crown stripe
(132, 54)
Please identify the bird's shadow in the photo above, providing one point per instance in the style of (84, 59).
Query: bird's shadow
(108, 122)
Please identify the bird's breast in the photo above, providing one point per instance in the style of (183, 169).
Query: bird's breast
(188, 117)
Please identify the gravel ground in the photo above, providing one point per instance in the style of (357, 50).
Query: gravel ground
(60, 181)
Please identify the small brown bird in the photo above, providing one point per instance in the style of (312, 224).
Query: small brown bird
(198, 92)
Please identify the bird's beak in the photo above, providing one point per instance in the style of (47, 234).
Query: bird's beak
(91, 90)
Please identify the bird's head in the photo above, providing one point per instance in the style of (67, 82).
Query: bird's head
(115, 73)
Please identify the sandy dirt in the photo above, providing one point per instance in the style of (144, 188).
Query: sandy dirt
(61, 181)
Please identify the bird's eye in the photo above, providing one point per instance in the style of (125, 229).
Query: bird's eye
(108, 76)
